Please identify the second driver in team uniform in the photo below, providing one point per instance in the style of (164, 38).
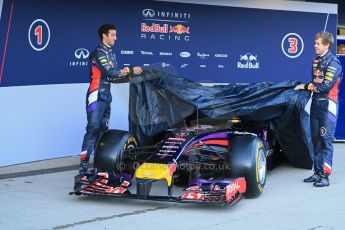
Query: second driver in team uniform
(103, 71)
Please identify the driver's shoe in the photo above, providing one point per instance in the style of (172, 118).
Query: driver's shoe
(83, 167)
(322, 182)
(312, 179)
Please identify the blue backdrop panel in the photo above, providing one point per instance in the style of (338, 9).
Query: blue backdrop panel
(203, 43)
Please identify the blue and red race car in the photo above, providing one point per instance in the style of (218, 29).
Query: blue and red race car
(219, 165)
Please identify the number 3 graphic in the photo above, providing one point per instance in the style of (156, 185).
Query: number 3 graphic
(293, 45)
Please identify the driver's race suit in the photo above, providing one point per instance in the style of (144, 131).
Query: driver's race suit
(103, 71)
(326, 77)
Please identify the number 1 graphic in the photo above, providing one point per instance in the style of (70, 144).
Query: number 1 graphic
(38, 33)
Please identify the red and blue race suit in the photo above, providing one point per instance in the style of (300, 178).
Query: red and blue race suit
(103, 72)
(326, 77)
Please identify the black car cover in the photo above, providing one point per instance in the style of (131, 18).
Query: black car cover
(159, 101)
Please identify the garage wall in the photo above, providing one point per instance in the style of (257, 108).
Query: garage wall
(48, 121)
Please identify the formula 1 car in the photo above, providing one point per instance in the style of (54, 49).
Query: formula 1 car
(214, 164)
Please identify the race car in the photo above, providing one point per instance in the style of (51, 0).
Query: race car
(213, 164)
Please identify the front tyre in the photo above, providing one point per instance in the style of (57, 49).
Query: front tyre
(247, 158)
(111, 153)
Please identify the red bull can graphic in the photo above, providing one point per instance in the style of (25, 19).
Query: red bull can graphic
(179, 29)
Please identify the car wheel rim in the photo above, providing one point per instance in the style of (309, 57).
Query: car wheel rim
(262, 166)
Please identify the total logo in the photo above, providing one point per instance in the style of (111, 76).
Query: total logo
(202, 55)
(81, 55)
(248, 61)
(149, 53)
(127, 52)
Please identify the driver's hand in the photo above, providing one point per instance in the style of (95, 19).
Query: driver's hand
(125, 70)
(299, 87)
(137, 70)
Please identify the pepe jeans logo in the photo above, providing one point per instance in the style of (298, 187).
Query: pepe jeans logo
(202, 55)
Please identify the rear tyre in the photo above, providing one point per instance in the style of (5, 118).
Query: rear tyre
(111, 154)
(246, 158)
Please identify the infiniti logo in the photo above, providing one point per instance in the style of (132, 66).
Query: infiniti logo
(81, 53)
(148, 13)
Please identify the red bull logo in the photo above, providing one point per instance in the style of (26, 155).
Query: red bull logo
(157, 31)
(179, 29)
(248, 61)
(248, 57)
(154, 28)
(318, 73)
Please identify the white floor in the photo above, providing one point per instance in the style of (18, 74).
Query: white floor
(42, 202)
